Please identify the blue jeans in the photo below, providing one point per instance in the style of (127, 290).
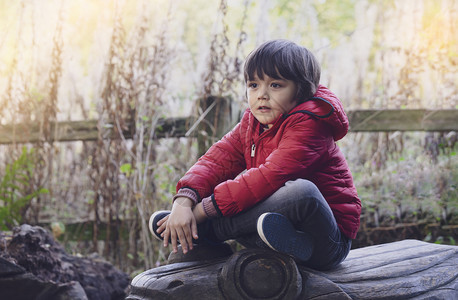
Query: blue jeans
(304, 205)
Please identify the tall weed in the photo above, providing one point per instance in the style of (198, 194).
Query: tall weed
(16, 191)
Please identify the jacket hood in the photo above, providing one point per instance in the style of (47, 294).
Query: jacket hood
(326, 106)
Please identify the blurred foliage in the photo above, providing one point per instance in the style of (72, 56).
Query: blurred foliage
(404, 178)
(16, 191)
(336, 18)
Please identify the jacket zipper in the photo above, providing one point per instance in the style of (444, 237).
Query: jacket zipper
(260, 137)
(253, 146)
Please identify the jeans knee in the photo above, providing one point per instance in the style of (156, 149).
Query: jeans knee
(303, 187)
(298, 195)
(305, 194)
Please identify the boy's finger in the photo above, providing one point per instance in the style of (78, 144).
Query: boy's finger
(173, 238)
(188, 237)
(183, 241)
(161, 228)
(166, 237)
(194, 229)
(162, 221)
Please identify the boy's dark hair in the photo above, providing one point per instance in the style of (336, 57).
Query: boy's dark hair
(284, 59)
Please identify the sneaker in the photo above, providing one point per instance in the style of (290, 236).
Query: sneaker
(156, 217)
(280, 235)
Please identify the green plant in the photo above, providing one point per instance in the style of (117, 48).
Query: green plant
(16, 191)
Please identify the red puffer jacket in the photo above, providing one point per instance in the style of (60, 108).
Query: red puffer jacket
(300, 144)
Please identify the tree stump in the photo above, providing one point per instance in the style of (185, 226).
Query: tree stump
(406, 269)
(34, 266)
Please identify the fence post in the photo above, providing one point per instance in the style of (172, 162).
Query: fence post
(217, 122)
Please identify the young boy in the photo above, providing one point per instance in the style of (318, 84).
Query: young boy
(297, 194)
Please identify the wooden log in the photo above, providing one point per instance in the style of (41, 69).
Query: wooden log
(407, 269)
(259, 274)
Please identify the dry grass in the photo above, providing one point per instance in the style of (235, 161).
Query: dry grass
(129, 63)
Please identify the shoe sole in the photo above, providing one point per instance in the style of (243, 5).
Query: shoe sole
(278, 233)
(151, 225)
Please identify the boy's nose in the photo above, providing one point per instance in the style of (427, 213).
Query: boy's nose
(262, 94)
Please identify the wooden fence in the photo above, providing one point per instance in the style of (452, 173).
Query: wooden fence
(360, 121)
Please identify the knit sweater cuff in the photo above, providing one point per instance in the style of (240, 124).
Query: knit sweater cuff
(188, 193)
(209, 208)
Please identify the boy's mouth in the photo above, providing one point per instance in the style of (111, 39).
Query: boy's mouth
(263, 107)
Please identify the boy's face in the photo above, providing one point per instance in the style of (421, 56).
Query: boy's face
(269, 98)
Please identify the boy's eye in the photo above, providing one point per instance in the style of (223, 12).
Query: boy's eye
(275, 85)
(252, 85)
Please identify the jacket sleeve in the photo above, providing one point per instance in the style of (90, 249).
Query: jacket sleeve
(302, 148)
(224, 160)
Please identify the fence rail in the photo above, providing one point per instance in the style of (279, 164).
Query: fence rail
(360, 121)
(404, 120)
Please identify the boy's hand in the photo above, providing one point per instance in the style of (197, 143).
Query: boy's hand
(199, 213)
(181, 225)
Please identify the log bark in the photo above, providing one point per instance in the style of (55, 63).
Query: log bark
(407, 269)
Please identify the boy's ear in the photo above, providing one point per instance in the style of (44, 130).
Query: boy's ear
(305, 91)
(300, 93)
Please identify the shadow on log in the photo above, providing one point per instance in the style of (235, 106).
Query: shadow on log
(407, 269)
